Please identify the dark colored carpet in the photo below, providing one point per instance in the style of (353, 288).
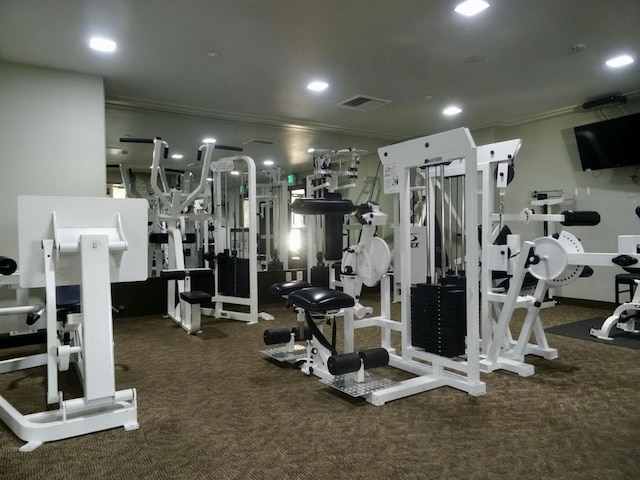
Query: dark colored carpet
(211, 407)
(581, 330)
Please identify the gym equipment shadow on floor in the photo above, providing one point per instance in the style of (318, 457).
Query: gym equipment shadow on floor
(581, 328)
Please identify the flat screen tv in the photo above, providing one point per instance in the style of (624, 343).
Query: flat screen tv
(611, 143)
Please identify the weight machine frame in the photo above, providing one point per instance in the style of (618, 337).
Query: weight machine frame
(69, 241)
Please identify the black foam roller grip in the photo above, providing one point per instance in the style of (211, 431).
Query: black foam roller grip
(7, 265)
(173, 274)
(580, 219)
(136, 140)
(343, 363)
(274, 336)
(375, 357)
(638, 211)
(200, 273)
(321, 206)
(166, 152)
(159, 238)
(199, 157)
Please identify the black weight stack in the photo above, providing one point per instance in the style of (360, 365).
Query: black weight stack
(439, 318)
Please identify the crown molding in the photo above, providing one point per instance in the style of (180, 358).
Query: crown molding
(130, 103)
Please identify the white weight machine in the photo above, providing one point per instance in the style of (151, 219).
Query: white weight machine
(498, 349)
(366, 262)
(273, 211)
(204, 208)
(554, 261)
(90, 242)
(325, 182)
(222, 242)
(347, 372)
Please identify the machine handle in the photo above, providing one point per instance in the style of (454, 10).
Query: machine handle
(220, 147)
(144, 140)
(136, 140)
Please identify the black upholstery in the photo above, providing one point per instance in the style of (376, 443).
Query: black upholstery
(317, 299)
(195, 297)
(286, 288)
(322, 206)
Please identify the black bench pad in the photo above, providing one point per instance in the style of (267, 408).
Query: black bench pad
(195, 297)
(318, 299)
(286, 288)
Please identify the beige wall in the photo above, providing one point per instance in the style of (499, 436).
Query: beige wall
(51, 140)
(549, 160)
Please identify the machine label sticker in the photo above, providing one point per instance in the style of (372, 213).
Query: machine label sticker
(222, 166)
(391, 181)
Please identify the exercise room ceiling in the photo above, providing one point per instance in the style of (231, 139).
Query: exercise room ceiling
(517, 60)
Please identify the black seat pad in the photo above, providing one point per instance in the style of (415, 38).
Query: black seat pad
(286, 288)
(318, 299)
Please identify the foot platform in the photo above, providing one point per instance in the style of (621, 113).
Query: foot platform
(350, 385)
(286, 354)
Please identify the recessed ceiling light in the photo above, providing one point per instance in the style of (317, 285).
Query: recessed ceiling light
(268, 163)
(318, 86)
(209, 140)
(177, 156)
(310, 150)
(452, 110)
(619, 61)
(234, 172)
(102, 44)
(213, 53)
(471, 7)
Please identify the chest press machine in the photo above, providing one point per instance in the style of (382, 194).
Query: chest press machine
(174, 210)
(89, 242)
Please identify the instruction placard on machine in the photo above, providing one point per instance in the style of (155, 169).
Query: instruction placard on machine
(391, 181)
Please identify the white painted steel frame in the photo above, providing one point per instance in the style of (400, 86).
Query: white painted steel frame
(102, 407)
(432, 370)
(221, 242)
(499, 351)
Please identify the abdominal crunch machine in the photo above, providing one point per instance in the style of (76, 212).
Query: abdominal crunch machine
(316, 305)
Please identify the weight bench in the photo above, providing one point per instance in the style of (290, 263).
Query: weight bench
(188, 312)
(291, 352)
(345, 372)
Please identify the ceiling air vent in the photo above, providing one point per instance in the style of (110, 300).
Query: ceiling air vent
(259, 141)
(363, 103)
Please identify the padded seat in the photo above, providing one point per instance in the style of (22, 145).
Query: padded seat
(318, 299)
(195, 297)
(286, 288)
